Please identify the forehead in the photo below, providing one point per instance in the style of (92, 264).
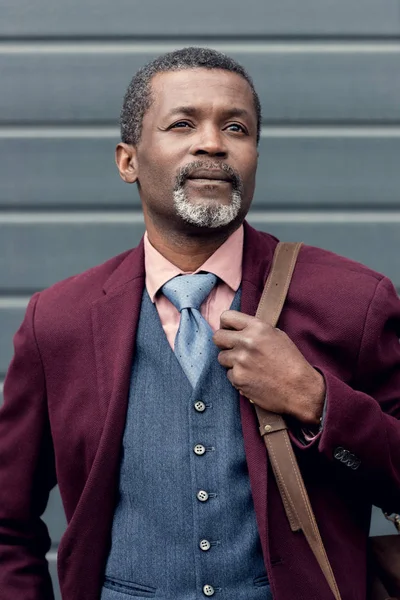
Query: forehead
(202, 88)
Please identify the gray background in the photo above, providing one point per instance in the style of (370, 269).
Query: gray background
(328, 73)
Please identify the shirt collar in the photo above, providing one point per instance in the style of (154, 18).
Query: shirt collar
(225, 263)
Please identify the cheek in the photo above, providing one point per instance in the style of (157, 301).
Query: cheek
(155, 172)
(249, 174)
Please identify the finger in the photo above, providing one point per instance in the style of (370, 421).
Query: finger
(231, 378)
(226, 358)
(229, 375)
(233, 319)
(225, 339)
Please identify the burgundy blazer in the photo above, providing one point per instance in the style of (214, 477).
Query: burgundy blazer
(65, 405)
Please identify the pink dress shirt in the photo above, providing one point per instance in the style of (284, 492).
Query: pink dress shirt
(225, 263)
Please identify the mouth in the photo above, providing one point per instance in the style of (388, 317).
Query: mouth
(210, 176)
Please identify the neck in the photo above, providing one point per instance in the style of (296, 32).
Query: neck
(187, 252)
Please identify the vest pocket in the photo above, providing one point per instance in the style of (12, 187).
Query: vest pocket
(129, 588)
(261, 581)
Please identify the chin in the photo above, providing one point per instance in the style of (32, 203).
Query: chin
(208, 213)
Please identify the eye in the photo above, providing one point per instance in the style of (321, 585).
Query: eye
(181, 125)
(236, 128)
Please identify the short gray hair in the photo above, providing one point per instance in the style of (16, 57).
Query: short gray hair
(138, 96)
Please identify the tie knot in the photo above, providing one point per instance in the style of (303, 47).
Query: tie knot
(189, 291)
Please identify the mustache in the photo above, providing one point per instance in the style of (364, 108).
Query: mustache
(185, 172)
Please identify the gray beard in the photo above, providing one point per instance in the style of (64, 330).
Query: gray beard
(209, 214)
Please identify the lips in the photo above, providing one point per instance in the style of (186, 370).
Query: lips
(210, 174)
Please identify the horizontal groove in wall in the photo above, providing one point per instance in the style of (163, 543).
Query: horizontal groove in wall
(51, 556)
(21, 293)
(326, 217)
(204, 38)
(271, 206)
(59, 131)
(370, 130)
(20, 301)
(135, 217)
(251, 47)
(61, 218)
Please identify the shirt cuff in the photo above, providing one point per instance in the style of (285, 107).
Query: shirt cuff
(306, 435)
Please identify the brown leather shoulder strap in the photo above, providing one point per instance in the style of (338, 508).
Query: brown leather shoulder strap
(278, 282)
(273, 427)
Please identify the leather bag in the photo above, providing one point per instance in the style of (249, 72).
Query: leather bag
(384, 567)
(384, 564)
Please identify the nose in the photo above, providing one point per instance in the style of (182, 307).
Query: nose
(210, 141)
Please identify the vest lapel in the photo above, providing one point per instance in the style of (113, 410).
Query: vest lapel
(257, 259)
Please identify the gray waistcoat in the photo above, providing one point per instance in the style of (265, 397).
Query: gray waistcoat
(184, 526)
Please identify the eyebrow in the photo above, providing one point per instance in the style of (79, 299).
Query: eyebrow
(192, 110)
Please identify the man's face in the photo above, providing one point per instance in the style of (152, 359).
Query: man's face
(197, 157)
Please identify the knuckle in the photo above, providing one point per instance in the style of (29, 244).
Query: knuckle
(265, 330)
(224, 317)
(248, 341)
(261, 325)
(239, 375)
(261, 331)
(222, 357)
(241, 357)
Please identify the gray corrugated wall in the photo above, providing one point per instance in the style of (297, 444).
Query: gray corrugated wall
(328, 72)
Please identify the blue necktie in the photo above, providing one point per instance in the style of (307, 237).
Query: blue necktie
(193, 342)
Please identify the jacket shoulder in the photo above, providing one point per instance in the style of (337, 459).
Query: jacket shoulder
(79, 291)
(336, 285)
(333, 264)
(313, 260)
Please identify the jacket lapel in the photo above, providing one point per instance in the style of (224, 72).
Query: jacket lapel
(115, 318)
(257, 259)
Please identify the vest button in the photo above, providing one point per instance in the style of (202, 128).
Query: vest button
(202, 496)
(208, 590)
(200, 406)
(205, 545)
(199, 449)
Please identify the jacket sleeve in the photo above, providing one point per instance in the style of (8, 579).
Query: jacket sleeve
(361, 433)
(27, 471)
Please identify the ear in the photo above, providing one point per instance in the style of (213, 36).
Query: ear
(126, 159)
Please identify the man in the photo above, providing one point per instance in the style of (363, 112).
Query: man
(118, 391)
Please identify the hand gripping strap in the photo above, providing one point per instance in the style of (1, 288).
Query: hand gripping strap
(273, 427)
